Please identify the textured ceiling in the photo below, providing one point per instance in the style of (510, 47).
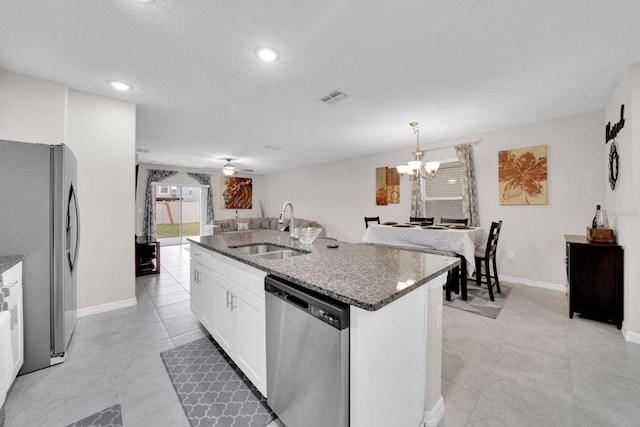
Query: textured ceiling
(457, 67)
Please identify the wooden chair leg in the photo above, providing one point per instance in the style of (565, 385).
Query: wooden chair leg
(488, 274)
(495, 273)
(455, 280)
(447, 287)
(463, 278)
(478, 272)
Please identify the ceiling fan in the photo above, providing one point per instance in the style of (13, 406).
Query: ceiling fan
(229, 169)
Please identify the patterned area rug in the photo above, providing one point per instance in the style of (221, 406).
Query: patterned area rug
(478, 301)
(213, 391)
(109, 417)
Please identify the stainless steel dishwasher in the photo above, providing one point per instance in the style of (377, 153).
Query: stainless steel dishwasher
(307, 356)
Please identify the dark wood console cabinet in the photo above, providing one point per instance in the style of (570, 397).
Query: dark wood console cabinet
(147, 256)
(595, 279)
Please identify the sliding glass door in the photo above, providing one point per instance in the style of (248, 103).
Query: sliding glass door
(178, 213)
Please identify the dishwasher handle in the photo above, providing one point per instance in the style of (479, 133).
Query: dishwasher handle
(297, 301)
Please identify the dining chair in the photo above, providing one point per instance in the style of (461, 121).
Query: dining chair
(368, 219)
(488, 256)
(464, 221)
(423, 221)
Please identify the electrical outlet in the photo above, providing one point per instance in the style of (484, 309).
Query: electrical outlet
(510, 254)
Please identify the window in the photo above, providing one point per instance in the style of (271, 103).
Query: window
(443, 193)
(163, 190)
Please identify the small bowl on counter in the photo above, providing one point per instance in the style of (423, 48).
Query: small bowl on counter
(307, 235)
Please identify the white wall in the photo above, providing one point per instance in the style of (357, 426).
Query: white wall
(181, 178)
(101, 133)
(32, 110)
(339, 194)
(623, 203)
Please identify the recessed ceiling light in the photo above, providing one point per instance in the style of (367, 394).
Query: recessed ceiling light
(120, 85)
(267, 54)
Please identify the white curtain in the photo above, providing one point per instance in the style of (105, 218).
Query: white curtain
(205, 179)
(417, 201)
(469, 187)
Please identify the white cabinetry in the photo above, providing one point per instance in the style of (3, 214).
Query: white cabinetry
(227, 296)
(11, 288)
(224, 329)
(201, 289)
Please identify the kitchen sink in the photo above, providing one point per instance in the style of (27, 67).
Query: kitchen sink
(258, 249)
(279, 254)
(269, 251)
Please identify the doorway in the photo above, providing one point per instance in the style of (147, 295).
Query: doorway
(179, 212)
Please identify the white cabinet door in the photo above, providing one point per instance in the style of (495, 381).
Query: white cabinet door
(201, 294)
(207, 296)
(194, 289)
(224, 317)
(251, 342)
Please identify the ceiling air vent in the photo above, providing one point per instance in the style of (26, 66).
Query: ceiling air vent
(334, 97)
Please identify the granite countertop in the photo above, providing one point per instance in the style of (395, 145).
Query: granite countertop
(364, 276)
(6, 262)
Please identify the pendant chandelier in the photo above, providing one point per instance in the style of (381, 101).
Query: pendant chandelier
(417, 167)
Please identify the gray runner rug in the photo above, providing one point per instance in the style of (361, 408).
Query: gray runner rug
(109, 417)
(213, 391)
(478, 301)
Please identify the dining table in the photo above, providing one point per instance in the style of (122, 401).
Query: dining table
(461, 240)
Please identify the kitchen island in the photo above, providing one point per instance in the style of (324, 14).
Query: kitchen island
(395, 300)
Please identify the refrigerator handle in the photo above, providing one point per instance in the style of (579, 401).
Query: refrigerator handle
(74, 199)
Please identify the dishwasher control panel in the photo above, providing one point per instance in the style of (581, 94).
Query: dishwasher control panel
(325, 316)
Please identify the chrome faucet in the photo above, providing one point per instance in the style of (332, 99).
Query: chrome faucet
(281, 219)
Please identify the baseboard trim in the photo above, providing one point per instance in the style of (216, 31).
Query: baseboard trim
(433, 416)
(102, 308)
(534, 283)
(633, 337)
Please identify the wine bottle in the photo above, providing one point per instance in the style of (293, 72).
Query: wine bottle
(596, 218)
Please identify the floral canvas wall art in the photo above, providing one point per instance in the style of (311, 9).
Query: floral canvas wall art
(522, 176)
(237, 193)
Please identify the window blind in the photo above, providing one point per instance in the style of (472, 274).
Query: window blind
(443, 192)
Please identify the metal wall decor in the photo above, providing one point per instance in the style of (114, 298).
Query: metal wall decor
(613, 165)
(610, 133)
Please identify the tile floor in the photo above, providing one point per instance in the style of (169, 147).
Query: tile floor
(533, 366)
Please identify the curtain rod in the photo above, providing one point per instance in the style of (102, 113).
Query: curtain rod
(169, 184)
(453, 144)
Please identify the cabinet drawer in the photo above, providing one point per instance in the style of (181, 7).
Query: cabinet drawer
(201, 255)
(248, 278)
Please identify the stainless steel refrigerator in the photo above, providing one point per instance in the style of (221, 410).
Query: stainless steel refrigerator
(39, 219)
